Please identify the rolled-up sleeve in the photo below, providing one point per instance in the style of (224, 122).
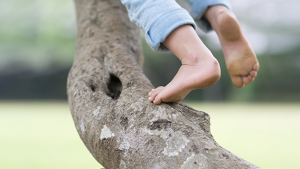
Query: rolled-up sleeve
(157, 18)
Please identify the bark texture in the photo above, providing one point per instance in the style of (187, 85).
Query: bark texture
(107, 94)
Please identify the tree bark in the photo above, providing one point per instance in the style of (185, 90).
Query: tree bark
(108, 98)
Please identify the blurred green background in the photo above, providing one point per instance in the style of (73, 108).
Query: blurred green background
(37, 44)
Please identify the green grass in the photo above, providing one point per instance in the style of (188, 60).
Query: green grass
(267, 135)
(41, 135)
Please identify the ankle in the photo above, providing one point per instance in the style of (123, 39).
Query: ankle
(190, 58)
(213, 12)
(196, 57)
(207, 60)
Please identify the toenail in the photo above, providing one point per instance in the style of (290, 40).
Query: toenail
(149, 93)
(149, 98)
(152, 90)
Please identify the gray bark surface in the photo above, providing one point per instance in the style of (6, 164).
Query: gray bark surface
(108, 97)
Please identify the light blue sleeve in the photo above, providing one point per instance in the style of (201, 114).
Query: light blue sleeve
(157, 18)
(198, 7)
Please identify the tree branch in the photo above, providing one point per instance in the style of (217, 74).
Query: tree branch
(107, 94)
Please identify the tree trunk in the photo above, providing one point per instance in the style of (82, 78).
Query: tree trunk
(108, 97)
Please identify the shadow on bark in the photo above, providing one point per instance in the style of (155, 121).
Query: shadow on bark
(107, 94)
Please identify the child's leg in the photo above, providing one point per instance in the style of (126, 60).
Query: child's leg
(199, 68)
(240, 59)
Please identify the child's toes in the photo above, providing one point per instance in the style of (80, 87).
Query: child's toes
(251, 78)
(253, 73)
(237, 81)
(149, 94)
(256, 66)
(154, 93)
(157, 101)
(246, 80)
(158, 98)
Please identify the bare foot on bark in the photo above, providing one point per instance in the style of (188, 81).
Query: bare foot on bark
(241, 61)
(188, 78)
(199, 68)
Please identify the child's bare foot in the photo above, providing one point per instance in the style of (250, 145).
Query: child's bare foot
(240, 59)
(199, 68)
(188, 78)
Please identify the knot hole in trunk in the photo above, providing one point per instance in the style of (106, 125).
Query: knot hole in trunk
(114, 87)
